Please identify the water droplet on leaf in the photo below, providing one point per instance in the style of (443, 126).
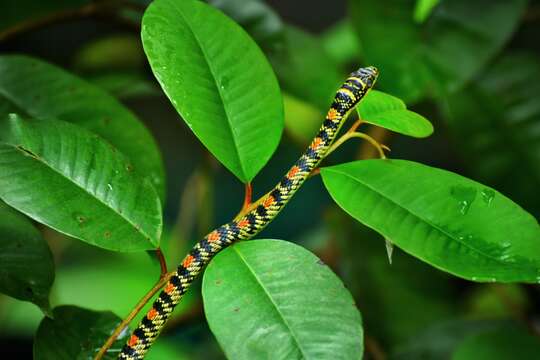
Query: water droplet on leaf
(487, 196)
(465, 195)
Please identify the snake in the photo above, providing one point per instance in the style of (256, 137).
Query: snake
(257, 216)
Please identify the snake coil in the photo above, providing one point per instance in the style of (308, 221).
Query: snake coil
(247, 226)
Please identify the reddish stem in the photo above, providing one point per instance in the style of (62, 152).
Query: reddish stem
(162, 263)
(247, 196)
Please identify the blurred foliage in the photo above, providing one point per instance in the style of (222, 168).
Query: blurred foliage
(473, 67)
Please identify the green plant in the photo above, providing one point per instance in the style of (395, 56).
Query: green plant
(75, 161)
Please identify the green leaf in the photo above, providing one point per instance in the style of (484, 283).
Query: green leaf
(274, 299)
(305, 70)
(26, 263)
(423, 9)
(125, 84)
(257, 18)
(440, 55)
(218, 80)
(71, 180)
(76, 333)
(499, 344)
(389, 112)
(495, 124)
(46, 91)
(444, 219)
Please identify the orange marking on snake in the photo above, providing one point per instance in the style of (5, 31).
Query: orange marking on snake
(269, 201)
(133, 340)
(188, 261)
(332, 114)
(169, 288)
(152, 314)
(213, 236)
(316, 142)
(243, 223)
(294, 170)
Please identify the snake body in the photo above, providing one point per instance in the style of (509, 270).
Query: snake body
(245, 227)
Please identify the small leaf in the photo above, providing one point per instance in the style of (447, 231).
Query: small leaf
(76, 333)
(71, 180)
(391, 113)
(26, 263)
(444, 219)
(273, 299)
(45, 91)
(218, 80)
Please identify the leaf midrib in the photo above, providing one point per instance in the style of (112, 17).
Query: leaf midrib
(42, 161)
(421, 219)
(275, 306)
(225, 109)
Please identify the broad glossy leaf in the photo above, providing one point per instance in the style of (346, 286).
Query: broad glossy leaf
(441, 54)
(451, 222)
(391, 113)
(218, 80)
(500, 344)
(274, 299)
(305, 70)
(496, 126)
(73, 181)
(76, 333)
(26, 263)
(45, 91)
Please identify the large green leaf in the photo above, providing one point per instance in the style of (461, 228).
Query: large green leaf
(218, 80)
(444, 52)
(45, 91)
(451, 222)
(274, 299)
(26, 263)
(76, 333)
(496, 125)
(391, 113)
(73, 181)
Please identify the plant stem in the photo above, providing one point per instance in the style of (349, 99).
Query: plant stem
(247, 196)
(162, 263)
(144, 300)
(350, 135)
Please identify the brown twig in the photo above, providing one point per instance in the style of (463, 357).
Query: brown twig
(144, 300)
(247, 196)
(162, 263)
(374, 349)
(86, 11)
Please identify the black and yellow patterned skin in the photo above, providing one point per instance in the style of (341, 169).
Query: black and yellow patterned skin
(247, 226)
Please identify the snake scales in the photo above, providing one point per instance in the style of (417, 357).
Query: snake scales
(247, 226)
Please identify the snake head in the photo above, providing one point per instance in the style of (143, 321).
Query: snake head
(367, 75)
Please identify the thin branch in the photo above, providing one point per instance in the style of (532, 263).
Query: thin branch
(247, 196)
(60, 16)
(350, 135)
(162, 263)
(110, 341)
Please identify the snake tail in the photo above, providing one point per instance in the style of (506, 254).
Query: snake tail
(247, 226)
